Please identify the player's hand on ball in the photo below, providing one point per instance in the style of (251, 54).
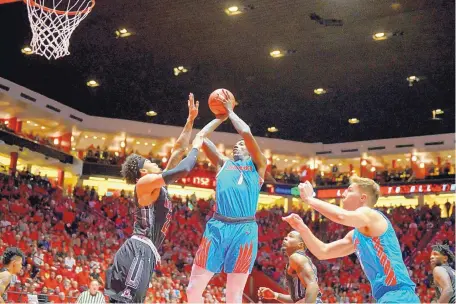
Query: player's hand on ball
(306, 190)
(192, 107)
(295, 221)
(225, 100)
(265, 293)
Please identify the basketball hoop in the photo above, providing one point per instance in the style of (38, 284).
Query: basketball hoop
(53, 22)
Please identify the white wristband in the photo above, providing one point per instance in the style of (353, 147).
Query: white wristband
(276, 295)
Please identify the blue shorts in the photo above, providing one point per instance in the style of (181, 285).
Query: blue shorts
(399, 296)
(231, 246)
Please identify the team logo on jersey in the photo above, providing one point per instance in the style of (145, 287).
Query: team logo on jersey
(127, 294)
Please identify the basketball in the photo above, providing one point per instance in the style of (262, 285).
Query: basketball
(216, 105)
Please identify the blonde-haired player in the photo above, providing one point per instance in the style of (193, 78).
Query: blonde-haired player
(373, 239)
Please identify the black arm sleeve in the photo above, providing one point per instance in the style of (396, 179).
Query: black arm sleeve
(182, 169)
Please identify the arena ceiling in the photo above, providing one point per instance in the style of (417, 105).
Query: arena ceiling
(363, 78)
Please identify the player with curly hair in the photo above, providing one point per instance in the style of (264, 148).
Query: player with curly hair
(127, 280)
(444, 274)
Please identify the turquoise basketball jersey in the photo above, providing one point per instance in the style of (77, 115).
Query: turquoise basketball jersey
(238, 188)
(381, 259)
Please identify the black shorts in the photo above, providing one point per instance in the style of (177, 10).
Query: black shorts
(127, 280)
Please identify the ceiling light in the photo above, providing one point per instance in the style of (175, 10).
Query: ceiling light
(277, 158)
(92, 83)
(27, 50)
(153, 145)
(399, 159)
(42, 128)
(412, 79)
(353, 121)
(103, 138)
(122, 33)
(340, 164)
(28, 121)
(331, 165)
(72, 138)
(421, 165)
(276, 54)
(449, 156)
(295, 161)
(151, 113)
(273, 129)
(363, 162)
(95, 137)
(233, 10)
(36, 125)
(438, 111)
(373, 169)
(179, 70)
(380, 36)
(86, 136)
(414, 158)
(286, 160)
(319, 91)
(138, 143)
(73, 149)
(146, 144)
(407, 159)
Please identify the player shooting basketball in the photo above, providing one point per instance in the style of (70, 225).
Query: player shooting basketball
(231, 236)
(373, 239)
(127, 280)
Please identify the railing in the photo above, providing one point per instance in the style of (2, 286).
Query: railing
(13, 139)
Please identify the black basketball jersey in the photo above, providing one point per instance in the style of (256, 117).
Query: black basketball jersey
(295, 287)
(451, 274)
(153, 221)
(4, 295)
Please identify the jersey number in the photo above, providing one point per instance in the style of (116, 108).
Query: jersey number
(241, 179)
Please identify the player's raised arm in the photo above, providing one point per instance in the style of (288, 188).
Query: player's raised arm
(359, 218)
(181, 145)
(244, 130)
(322, 251)
(216, 158)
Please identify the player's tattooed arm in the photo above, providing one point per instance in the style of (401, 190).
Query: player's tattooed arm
(5, 279)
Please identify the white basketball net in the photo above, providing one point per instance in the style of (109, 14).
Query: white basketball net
(53, 22)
